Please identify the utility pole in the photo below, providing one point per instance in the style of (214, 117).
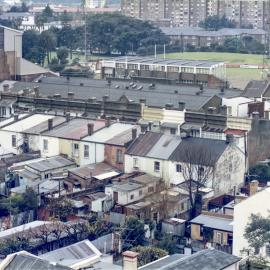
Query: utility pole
(85, 39)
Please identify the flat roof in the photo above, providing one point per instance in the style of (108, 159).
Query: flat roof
(128, 186)
(166, 61)
(50, 164)
(215, 222)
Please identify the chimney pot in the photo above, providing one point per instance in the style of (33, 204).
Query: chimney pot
(182, 105)
(50, 124)
(90, 128)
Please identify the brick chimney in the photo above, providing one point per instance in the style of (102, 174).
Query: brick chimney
(70, 95)
(50, 124)
(134, 133)
(253, 187)
(130, 261)
(90, 128)
(36, 91)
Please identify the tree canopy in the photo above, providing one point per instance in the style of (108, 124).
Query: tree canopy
(257, 231)
(215, 23)
(133, 233)
(149, 254)
(114, 32)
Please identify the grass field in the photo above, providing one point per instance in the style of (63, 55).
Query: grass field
(233, 58)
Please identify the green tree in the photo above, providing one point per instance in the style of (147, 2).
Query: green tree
(149, 254)
(40, 19)
(61, 208)
(261, 172)
(115, 32)
(167, 243)
(48, 42)
(257, 231)
(215, 23)
(47, 11)
(133, 233)
(22, 8)
(62, 55)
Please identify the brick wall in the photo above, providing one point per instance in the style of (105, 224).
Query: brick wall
(110, 156)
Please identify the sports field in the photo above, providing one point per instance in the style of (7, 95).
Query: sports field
(232, 58)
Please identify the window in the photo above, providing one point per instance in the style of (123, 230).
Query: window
(13, 141)
(219, 238)
(119, 156)
(156, 166)
(150, 189)
(140, 192)
(45, 145)
(182, 206)
(178, 168)
(46, 176)
(173, 131)
(131, 196)
(86, 151)
(75, 149)
(135, 163)
(3, 111)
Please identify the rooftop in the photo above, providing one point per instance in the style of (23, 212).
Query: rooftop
(159, 96)
(161, 61)
(74, 254)
(169, 147)
(108, 133)
(75, 129)
(255, 88)
(26, 261)
(145, 179)
(29, 123)
(208, 259)
(93, 170)
(215, 222)
(128, 186)
(21, 228)
(50, 164)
